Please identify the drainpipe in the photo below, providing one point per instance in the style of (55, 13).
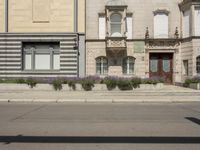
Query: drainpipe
(75, 15)
(6, 16)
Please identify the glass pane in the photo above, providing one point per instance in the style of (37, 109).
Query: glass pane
(166, 64)
(42, 61)
(56, 61)
(28, 63)
(131, 68)
(116, 18)
(154, 64)
(115, 29)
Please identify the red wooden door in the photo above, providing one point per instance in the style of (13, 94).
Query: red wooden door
(161, 65)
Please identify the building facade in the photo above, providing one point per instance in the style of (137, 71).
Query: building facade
(159, 38)
(42, 38)
(70, 38)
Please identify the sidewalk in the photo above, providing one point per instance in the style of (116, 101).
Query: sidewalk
(168, 94)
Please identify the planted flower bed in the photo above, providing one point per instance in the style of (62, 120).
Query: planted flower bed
(89, 83)
(193, 83)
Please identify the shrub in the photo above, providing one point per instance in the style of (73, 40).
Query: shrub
(31, 82)
(136, 82)
(57, 85)
(87, 84)
(154, 80)
(20, 81)
(72, 84)
(111, 82)
(124, 84)
(191, 80)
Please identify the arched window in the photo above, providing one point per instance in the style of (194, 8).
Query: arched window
(115, 24)
(128, 65)
(101, 65)
(198, 64)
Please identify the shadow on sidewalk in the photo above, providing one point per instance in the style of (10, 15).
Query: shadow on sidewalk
(99, 139)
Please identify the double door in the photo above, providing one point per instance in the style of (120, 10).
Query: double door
(161, 66)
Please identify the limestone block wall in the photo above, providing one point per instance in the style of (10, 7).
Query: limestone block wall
(94, 50)
(187, 54)
(2, 16)
(44, 16)
(196, 53)
(98, 48)
(142, 16)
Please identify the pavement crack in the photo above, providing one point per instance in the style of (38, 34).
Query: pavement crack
(27, 113)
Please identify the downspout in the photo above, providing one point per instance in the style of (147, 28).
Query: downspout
(76, 31)
(6, 16)
(6, 31)
(75, 16)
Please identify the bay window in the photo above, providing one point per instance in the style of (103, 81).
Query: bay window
(115, 24)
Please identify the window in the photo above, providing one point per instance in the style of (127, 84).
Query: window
(185, 68)
(198, 64)
(186, 24)
(101, 65)
(129, 24)
(128, 65)
(116, 25)
(197, 21)
(102, 27)
(161, 25)
(41, 56)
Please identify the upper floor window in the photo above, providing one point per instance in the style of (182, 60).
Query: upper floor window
(197, 21)
(186, 23)
(161, 27)
(198, 64)
(115, 25)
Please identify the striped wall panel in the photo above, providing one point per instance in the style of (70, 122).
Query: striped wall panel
(11, 54)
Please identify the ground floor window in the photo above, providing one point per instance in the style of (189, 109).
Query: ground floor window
(41, 56)
(198, 64)
(101, 65)
(185, 68)
(128, 65)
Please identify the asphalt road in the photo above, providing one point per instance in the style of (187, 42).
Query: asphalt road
(139, 126)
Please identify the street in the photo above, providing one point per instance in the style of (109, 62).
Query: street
(99, 126)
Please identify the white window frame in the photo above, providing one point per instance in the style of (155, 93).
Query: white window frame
(157, 33)
(103, 69)
(197, 21)
(129, 26)
(186, 23)
(126, 65)
(102, 26)
(116, 23)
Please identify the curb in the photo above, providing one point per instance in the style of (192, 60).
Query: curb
(167, 100)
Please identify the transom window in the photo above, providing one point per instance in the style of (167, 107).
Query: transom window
(41, 56)
(101, 65)
(198, 64)
(115, 24)
(128, 65)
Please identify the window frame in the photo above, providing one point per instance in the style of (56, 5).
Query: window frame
(198, 64)
(103, 69)
(126, 65)
(164, 12)
(116, 23)
(34, 51)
